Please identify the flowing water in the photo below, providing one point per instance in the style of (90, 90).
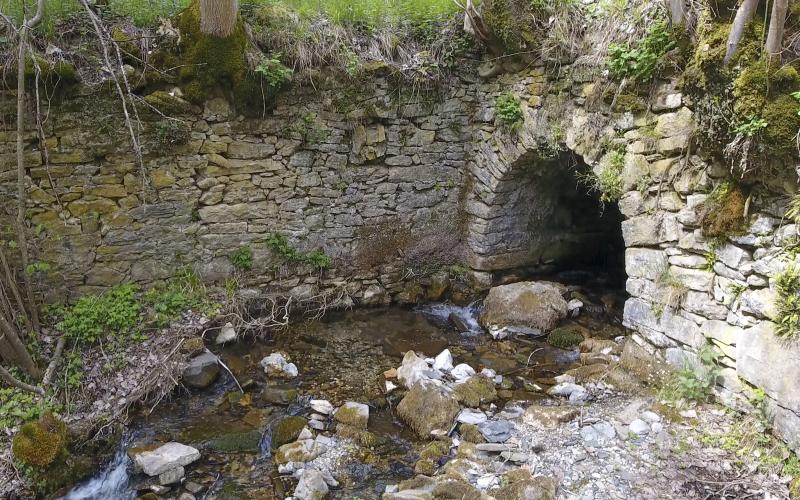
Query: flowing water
(340, 358)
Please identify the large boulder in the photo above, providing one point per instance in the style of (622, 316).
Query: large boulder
(428, 407)
(312, 486)
(526, 305)
(202, 371)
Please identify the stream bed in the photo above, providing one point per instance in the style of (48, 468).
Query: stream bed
(341, 357)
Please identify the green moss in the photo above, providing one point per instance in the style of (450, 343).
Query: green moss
(361, 436)
(351, 416)
(722, 214)
(238, 442)
(168, 103)
(453, 489)
(471, 434)
(427, 408)
(210, 62)
(425, 466)
(476, 391)
(783, 123)
(629, 102)
(52, 72)
(38, 444)
(287, 430)
(435, 449)
(129, 48)
(565, 337)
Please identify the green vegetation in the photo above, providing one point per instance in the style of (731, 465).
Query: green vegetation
(722, 213)
(751, 127)
(787, 284)
(39, 443)
(693, 383)
(171, 133)
(638, 62)
(273, 71)
(507, 107)
(93, 316)
(279, 245)
(242, 258)
(17, 407)
(180, 294)
(606, 179)
(565, 337)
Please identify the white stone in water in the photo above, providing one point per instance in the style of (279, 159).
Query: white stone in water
(488, 373)
(565, 389)
(226, 334)
(429, 361)
(276, 365)
(574, 307)
(165, 457)
(412, 370)
(390, 386)
(462, 372)
(443, 361)
(322, 406)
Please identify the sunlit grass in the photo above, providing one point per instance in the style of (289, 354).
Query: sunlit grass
(373, 13)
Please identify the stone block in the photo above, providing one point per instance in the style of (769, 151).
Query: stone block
(771, 363)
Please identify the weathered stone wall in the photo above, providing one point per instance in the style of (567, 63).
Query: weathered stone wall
(369, 184)
(688, 292)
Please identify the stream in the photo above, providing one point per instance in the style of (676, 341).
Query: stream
(340, 358)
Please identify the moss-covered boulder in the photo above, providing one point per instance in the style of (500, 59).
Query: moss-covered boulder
(565, 337)
(519, 485)
(359, 435)
(471, 434)
(477, 390)
(427, 408)
(287, 430)
(236, 442)
(38, 444)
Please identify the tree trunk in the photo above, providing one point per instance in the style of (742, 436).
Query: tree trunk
(777, 22)
(743, 15)
(218, 17)
(677, 12)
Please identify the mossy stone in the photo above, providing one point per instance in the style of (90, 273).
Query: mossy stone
(724, 216)
(38, 444)
(168, 103)
(236, 442)
(360, 436)
(287, 430)
(471, 433)
(565, 337)
(427, 408)
(435, 450)
(476, 391)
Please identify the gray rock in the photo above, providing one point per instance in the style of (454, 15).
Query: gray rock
(171, 476)
(598, 434)
(201, 371)
(639, 427)
(496, 431)
(469, 416)
(462, 372)
(528, 304)
(164, 458)
(276, 365)
(322, 406)
(312, 486)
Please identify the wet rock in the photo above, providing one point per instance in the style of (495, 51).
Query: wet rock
(600, 346)
(201, 371)
(171, 476)
(574, 308)
(165, 457)
(527, 304)
(276, 365)
(353, 414)
(278, 395)
(427, 408)
(475, 391)
(236, 442)
(443, 361)
(496, 431)
(287, 430)
(549, 416)
(458, 323)
(226, 334)
(312, 486)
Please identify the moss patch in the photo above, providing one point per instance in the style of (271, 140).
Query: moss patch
(471, 434)
(722, 214)
(361, 436)
(287, 430)
(427, 408)
(38, 444)
(237, 442)
(476, 391)
(565, 337)
(168, 103)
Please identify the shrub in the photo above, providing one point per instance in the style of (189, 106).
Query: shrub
(38, 444)
(607, 178)
(694, 383)
(787, 285)
(242, 258)
(273, 71)
(508, 110)
(116, 311)
(279, 244)
(639, 62)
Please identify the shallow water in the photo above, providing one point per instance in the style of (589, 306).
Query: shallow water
(340, 358)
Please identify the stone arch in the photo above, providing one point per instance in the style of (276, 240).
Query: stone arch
(527, 210)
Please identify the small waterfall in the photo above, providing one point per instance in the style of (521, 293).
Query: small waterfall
(463, 318)
(111, 482)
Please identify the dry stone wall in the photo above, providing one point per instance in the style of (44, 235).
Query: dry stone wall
(387, 177)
